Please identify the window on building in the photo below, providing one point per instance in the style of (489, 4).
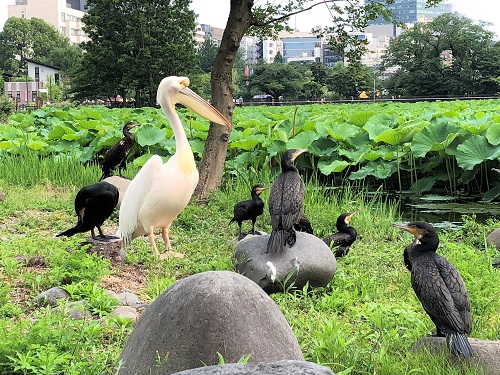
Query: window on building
(33, 96)
(18, 95)
(63, 30)
(63, 17)
(37, 74)
(56, 78)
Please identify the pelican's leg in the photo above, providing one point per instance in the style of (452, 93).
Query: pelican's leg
(169, 252)
(151, 236)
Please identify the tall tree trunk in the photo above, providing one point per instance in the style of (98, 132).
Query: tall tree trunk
(214, 156)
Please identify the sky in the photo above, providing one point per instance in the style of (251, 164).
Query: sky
(215, 13)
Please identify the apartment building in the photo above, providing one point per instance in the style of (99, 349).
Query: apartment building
(64, 15)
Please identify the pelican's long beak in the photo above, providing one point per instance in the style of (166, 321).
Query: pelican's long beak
(196, 103)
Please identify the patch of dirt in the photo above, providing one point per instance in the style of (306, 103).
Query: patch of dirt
(126, 278)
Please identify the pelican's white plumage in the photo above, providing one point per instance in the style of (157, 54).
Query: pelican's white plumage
(159, 192)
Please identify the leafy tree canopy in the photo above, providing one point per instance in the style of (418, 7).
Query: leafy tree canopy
(133, 45)
(448, 56)
(35, 39)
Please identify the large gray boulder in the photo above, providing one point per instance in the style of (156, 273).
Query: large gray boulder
(262, 368)
(202, 316)
(486, 353)
(494, 238)
(310, 260)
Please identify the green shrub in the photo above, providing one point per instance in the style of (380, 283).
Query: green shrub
(7, 106)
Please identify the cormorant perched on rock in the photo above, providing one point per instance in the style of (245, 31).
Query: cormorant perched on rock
(345, 235)
(116, 156)
(249, 209)
(285, 203)
(304, 225)
(439, 287)
(93, 205)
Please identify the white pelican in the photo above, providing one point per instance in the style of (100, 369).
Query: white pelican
(159, 192)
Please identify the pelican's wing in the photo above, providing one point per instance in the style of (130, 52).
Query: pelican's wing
(134, 198)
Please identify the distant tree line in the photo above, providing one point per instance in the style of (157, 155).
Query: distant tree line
(130, 51)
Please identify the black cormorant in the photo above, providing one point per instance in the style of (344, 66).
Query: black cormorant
(116, 156)
(93, 205)
(249, 209)
(304, 225)
(285, 203)
(439, 287)
(344, 237)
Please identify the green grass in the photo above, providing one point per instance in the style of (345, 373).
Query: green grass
(364, 322)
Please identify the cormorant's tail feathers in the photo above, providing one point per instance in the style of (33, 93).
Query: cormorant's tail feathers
(279, 239)
(70, 232)
(459, 345)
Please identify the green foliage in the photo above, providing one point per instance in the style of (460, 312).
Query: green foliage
(471, 68)
(207, 52)
(133, 45)
(7, 106)
(365, 321)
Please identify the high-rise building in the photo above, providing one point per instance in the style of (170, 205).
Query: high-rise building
(64, 15)
(412, 11)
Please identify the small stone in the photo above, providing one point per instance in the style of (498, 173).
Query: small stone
(128, 299)
(310, 261)
(50, 297)
(75, 309)
(494, 238)
(125, 312)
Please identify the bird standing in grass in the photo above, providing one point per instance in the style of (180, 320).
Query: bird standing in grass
(345, 236)
(249, 209)
(286, 202)
(116, 156)
(160, 191)
(93, 205)
(439, 287)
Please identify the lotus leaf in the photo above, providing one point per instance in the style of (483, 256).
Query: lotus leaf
(360, 118)
(493, 133)
(328, 167)
(197, 145)
(474, 151)
(492, 193)
(322, 147)
(424, 184)
(141, 160)
(59, 131)
(276, 147)
(341, 131)
(149, 135)
(435, 137)
(302, 140)
(380, 171)
(248, 143)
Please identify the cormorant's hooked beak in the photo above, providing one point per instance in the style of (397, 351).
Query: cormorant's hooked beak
(196, 103)
(261, 189)
(298, 152)
(349, 216)
(410, 229)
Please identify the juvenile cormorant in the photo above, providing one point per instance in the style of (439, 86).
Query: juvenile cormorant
(304, 225)
(93, 205)
(285, 204)
(439, 287)
(249, 209)
(116, 156)
(345, 236)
